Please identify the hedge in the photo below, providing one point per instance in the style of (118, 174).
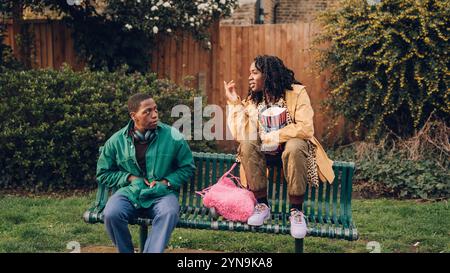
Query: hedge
(53, 122)
(389, 64)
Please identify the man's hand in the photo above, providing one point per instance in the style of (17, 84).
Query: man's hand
(150, 184)
(133, 177)
(153, 183)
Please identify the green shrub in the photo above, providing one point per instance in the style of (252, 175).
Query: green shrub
(390, 64)
(52, 122)
(112, 33)
(405, 168)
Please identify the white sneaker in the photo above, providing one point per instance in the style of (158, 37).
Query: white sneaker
(260, 214)
(298, 224)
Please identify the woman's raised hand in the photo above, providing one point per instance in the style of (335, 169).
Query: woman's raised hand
(230, 90)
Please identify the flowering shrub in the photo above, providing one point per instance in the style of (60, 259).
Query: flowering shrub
(390, 64)
(110, 33)
(155, 16)
(133, 25)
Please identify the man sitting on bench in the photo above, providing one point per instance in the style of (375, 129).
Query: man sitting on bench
(149, 161)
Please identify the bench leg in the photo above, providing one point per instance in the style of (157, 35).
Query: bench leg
(143, 233)
(298, 245)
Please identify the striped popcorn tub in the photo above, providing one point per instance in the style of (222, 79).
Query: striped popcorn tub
(273, 119)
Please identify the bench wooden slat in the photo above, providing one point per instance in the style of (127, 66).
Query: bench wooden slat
(229, 164)
(199, 184)
(348, 212)
(270, 190)
(207, 175)
(198, 163)
(327, 203)
(306, 201)
(214, 169)
(320, 203)
(221, 165)
(276, 208)
(343, 199)
(284, 205)
(184, 194)
(312, 205)
(336, 183)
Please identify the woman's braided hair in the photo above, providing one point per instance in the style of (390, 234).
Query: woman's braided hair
(277, 79)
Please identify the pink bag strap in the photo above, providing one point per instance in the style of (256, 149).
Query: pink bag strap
(229, 171)
(204, 191)
(237, 179)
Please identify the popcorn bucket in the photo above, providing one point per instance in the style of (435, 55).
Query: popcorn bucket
(273, 119)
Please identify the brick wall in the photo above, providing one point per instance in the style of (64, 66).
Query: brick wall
(287, 11)
(245, 14)
(268, 11)
(290, 11)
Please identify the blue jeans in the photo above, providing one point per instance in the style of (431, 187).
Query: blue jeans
(119, 211)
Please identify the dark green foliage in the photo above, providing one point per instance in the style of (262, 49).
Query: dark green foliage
(427, 177)
(390, 64)
(53, 122)
(106, 45)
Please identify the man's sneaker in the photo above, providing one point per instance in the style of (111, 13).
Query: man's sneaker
(260, 214)
(298, 224)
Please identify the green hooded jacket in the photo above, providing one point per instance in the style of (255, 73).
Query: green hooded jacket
(168, 156)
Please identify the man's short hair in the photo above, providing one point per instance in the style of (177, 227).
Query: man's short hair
(135, 101)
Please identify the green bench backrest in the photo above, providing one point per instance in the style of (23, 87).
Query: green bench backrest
(329, 203)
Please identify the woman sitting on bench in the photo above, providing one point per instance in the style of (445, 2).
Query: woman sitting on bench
(276, 120)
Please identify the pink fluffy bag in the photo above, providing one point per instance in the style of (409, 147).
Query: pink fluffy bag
(230, 199)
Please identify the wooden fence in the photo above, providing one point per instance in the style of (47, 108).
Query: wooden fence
(53, 44)
(233, 50)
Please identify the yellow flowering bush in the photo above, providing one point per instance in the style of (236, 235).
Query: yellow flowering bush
(390, 64)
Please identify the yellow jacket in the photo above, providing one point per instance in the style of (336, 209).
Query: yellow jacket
(242, 120)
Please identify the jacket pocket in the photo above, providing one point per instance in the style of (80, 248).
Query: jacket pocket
(136, 186)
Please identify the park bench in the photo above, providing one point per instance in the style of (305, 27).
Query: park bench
(327, 208)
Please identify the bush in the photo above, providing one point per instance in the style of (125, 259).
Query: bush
(390, 64)
(53, 122)
(109, 34)
(413, 168)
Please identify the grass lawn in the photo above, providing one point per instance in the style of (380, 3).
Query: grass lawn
(48, 224)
